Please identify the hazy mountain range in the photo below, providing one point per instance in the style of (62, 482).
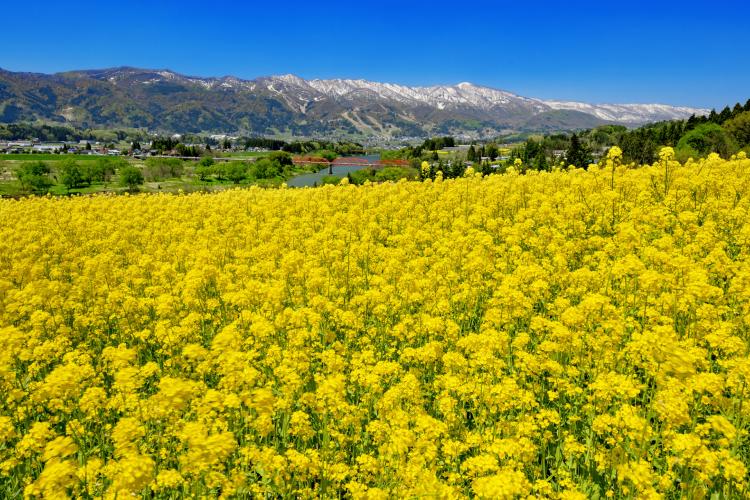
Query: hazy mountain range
(166, 101)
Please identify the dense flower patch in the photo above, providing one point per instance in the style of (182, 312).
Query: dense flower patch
(562, 335)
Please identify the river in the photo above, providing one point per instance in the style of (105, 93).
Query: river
(315, 179)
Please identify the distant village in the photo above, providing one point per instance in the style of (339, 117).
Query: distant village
(70, 147)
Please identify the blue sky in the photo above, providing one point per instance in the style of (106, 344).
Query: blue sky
(688, 52)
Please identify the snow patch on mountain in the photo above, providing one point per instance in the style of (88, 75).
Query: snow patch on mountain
(368, 104)
(465, 94)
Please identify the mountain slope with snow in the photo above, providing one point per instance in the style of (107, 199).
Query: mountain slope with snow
(168, 101)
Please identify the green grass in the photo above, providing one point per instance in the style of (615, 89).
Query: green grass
(13, 188)
(186, 183)
(330, 179)
(9, 188)
(60, 190)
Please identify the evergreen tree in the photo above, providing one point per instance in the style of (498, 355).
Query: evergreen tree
(673, 133)
(577, 154)
(471, 154)
(725, 115)
(487, 168)
(663, 136)
(492, 151)
(530, 151)
(638, 146)
(457, 169)
(692, 122)
(540, 162)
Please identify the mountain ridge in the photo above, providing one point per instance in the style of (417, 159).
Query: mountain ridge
(164, 100)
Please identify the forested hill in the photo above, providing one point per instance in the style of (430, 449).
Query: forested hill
(725, 132)
(165, 101)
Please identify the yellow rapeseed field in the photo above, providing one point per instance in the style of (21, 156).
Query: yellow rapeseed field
(567, 334)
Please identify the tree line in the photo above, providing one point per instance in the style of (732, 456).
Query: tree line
(38, 176)
(60, 133)
(277, 164)
(725, 132)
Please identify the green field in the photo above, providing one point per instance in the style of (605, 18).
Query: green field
(186, 184)
(186, 179)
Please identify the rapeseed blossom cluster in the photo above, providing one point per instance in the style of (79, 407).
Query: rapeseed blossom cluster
(564, 334)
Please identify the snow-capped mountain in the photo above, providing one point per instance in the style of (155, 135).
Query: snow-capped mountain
(629, 113)
(168, 101)
(467, 95)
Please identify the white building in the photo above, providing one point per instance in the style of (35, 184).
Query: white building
(47, 148)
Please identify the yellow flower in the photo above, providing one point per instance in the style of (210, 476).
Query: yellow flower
(58, 448)
(425, 169)
(554, 334)
(130, 474)
(666, 153)
(35, 440)
(167, 479)
(505, 485)
(7, 431)
(614, 153)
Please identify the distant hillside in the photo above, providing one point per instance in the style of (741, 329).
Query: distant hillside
(165, 101)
